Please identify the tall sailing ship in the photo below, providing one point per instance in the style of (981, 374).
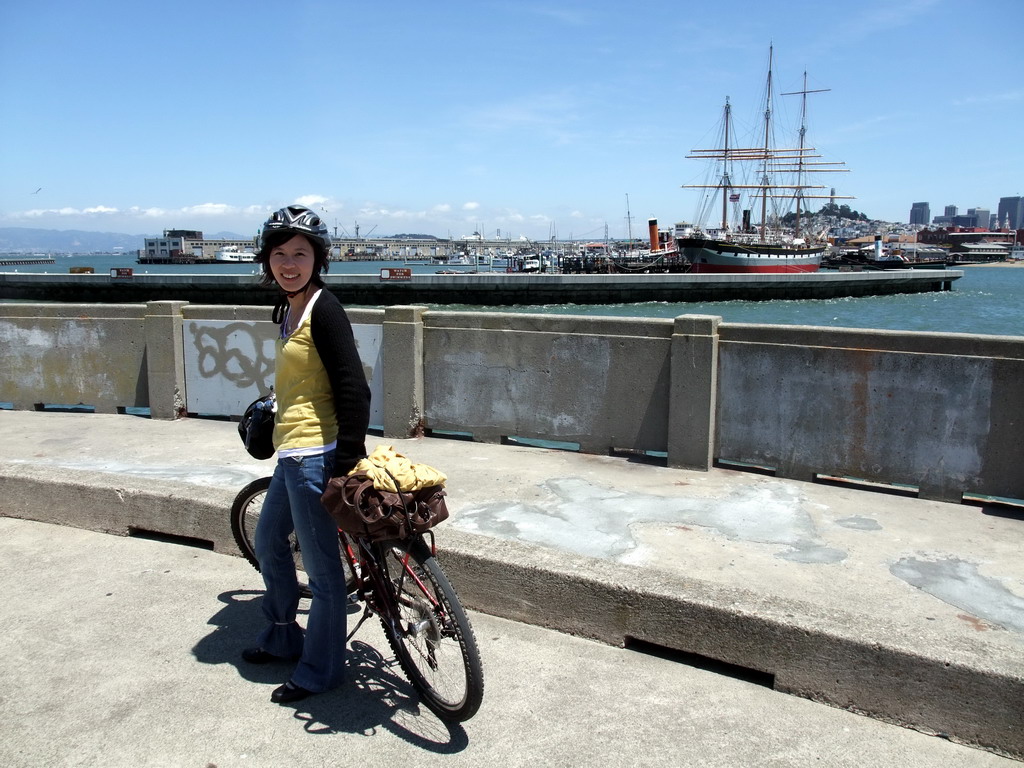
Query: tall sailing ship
(750, 179)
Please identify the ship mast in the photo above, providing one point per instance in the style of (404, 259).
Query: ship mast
(801, 157)
(771, 160)
(767, 145)
(725, 168)
(800, 154)
(629, 223)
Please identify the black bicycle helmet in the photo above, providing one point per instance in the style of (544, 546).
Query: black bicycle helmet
(256, 427)
(298, 219)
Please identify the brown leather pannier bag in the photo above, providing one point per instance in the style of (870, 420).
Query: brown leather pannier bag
(363, 510)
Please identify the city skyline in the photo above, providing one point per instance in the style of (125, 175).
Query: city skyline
(522, 119)
(1008, 214)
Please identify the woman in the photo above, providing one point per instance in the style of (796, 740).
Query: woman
(323, 410)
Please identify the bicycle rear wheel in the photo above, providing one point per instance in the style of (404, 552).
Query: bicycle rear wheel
(431, 635)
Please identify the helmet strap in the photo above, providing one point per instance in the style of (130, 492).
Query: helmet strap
(303, 289)
(281, 307)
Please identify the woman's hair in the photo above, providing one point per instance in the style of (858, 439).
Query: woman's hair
(321, 262)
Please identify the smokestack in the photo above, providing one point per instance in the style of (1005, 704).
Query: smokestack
(652, 228)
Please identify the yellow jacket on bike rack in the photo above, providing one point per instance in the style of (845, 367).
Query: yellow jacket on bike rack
(410, 476)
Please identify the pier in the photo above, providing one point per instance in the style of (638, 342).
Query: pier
(17, 261)
(486, 289)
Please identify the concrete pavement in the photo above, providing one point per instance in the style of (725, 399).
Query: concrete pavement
(908, 610)
(124, 652)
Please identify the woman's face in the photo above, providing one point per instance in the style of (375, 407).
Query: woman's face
(292, 262)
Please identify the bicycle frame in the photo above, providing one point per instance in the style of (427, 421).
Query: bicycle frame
(372, 584)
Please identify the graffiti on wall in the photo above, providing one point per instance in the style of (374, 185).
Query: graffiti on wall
(234, 352)
(230, 363)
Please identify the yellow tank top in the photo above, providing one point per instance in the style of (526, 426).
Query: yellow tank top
(305, 401)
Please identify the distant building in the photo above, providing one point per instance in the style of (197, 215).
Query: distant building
(964, 221)
(1011, 209)
(188, 246)
(950, 211)
(980, 216)
(920, 213)
(174, 245)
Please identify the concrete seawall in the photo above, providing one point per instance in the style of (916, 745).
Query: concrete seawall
(929, 414)
(482, 288)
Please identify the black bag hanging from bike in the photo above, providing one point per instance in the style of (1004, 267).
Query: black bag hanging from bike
(362, 510)
(256, 427)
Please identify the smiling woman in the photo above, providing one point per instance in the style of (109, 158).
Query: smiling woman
(292, 264)
(295, 244)
(323, 409)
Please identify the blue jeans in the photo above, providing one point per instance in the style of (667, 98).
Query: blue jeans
(293, 503)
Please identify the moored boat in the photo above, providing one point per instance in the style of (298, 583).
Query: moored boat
(736, 254)
(232, 254)
(778, 175)
(899, 256)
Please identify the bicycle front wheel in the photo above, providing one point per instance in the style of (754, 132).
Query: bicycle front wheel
(245, 515)
(430, 633)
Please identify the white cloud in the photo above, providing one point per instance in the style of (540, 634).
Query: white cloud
(311, 201)
(208, 209)
(375, 216)
(393, 215)
(989, 98)
(37, 213)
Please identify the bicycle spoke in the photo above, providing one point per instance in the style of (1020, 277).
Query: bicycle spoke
(432, 637)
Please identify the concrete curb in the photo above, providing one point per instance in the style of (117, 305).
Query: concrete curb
(855, 662)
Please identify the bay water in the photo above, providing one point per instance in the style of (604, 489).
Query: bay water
(988, 299)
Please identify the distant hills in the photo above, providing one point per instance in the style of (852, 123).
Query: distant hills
(28, 240)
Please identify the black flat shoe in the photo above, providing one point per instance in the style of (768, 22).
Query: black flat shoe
(290, 692)
(259, 656)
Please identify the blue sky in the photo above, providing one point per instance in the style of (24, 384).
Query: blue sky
(524, 118)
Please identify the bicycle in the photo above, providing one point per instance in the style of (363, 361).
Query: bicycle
(402, 584)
